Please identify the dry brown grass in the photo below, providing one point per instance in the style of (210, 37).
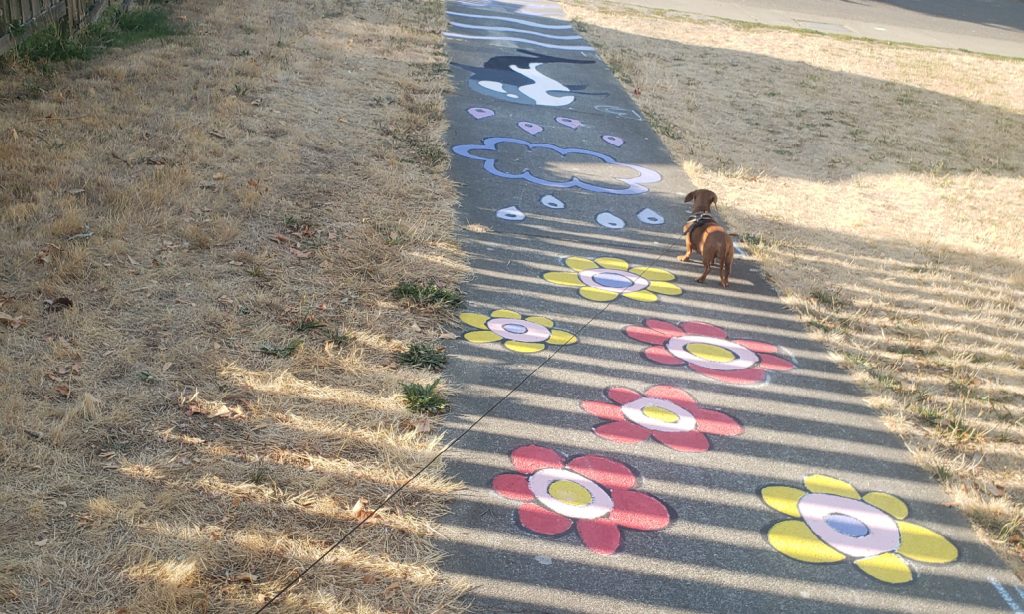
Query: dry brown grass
(152, 457)
(881, 188)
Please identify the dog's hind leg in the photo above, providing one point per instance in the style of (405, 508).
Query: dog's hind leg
(725, 269)
(707, 269)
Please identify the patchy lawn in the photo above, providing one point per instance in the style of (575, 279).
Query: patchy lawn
(200, 237)
(881, 188)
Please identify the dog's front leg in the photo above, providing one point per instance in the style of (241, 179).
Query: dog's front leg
(689, 250)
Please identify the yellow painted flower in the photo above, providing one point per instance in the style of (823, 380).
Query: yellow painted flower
(836, 523)
(605, 279)
(519, 334)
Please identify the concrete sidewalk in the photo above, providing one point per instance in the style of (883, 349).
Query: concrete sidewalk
(983, 26)
(633, 440)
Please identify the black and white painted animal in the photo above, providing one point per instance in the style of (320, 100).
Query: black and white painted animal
(518, 79)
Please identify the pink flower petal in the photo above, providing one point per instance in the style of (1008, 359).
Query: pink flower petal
(622, 432)
(542, 520)
(646, 335)
(662, 356)
(670, 393)
(757, 346)
(715, 422)
(774, 363)
(667, 328)
(528, 459)
(512, 486)
(639, 511)
(600, 535)
(684, 441)
(704, 329)
(622, 395)
(603, 470)
(605, 411)
(753, 375)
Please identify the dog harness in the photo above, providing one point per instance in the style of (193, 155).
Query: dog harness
(697, 221)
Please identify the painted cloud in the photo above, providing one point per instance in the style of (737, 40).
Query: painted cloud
(617, 177)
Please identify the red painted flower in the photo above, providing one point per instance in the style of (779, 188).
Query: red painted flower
(668, 414)
(708, 350)
(593, 492)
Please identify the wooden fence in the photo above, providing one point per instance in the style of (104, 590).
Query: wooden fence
(19, 18)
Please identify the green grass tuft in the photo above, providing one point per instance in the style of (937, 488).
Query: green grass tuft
(281, 351)
(425, 356)
(114, 28)
(428, 295)
(422, 399)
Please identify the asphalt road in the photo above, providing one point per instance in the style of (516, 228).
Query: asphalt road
(986, 26)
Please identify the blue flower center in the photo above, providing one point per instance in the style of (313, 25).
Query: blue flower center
(515, 329)
(847, 525)
(613, 280)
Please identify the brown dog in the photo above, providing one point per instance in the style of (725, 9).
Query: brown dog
(702, 200)
(711, 240)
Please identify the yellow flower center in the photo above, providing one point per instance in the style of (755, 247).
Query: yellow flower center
(660, 413)
(710, 352)
(570, 492)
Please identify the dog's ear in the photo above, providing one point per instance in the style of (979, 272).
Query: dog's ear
(689, 196)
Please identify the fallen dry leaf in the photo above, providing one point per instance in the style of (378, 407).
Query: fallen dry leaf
(9, 320)
(244, 577)
(447, 336)
(991, 489)
(41, 542)
(280, 238)
(63, 389)
(421, 425)
(298, 253)
(360, 511)
(212, 409)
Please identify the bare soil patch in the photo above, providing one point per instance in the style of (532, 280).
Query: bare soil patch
(198, 340)
(881, 188)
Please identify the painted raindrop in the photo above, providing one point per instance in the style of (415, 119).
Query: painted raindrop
(650, 216)
(569, 122)
(550, 201)
(609, 220)
(512, 214)
(530, 128)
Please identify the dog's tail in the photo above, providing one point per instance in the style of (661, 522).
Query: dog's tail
(727, 264)
(714, 202)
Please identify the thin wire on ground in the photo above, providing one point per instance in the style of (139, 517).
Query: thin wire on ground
(447, 447)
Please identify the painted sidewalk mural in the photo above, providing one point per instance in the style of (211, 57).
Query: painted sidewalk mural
(648, 444)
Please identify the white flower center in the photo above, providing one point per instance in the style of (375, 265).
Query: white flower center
(569, 494)
(711, 352)
(518, 330)
(851, 526)
(659, 415)
(614, 280)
